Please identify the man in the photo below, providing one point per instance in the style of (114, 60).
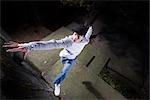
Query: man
(73, 45)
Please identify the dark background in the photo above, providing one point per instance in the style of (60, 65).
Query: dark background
(129, 20)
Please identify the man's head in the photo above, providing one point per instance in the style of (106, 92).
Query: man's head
(78, 34)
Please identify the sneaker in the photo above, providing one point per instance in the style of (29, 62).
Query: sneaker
(57, 90)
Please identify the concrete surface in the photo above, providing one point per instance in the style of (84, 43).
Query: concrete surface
(82, 82)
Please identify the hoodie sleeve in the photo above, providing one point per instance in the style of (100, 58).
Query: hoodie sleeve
(89, 32)
(47, 45)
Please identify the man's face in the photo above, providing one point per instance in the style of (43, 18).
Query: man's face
(76, 38)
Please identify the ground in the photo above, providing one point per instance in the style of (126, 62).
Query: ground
(83, 81)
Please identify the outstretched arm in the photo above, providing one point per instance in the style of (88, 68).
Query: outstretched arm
(89, 32)
(47, 45)
(39, 45)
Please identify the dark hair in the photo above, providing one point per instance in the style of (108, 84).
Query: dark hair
(81, 30)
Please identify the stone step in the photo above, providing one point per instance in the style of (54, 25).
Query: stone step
(83, 74)
(44, 60)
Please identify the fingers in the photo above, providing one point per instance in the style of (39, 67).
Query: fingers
(13, 50)
(16, 50)
(10, 44)
(7, 43)
(19, 49)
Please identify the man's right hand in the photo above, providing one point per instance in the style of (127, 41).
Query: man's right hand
(15, 47)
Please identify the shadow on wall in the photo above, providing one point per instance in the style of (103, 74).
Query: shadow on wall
(91, 89)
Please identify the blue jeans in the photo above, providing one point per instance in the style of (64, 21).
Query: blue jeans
(68, 64)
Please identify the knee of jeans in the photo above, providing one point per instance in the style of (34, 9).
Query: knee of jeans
(66, 70)
(63, 73)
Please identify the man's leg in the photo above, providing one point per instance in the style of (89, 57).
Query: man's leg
(68, 64)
